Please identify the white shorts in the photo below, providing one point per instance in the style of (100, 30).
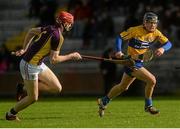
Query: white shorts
(29, 71)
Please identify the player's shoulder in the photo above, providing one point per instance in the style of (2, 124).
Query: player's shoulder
(157, 32)
(49, 28)
(54, 30)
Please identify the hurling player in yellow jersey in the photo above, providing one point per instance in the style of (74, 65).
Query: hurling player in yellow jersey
(139, 40)
(39, 43)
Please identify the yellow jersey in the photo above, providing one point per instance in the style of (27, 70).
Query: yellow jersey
(139, 39)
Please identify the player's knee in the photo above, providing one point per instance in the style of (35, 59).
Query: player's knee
(152, 81)
(59, 88)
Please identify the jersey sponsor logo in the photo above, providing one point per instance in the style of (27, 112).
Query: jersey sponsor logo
(135, 43)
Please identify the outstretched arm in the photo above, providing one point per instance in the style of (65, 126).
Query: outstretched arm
(56, 58)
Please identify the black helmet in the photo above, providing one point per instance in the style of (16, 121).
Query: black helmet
(150, 16)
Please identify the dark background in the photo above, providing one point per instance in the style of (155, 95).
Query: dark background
(97, 23)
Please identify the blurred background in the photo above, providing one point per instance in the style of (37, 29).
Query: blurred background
(97, 23)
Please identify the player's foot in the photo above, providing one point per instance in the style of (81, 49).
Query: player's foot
(152, 110)
(11, 117)
(101, 107)
(20, 92)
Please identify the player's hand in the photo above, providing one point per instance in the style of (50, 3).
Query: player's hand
(119, 54)
(19, 52)
(159, 51)
(75, 56)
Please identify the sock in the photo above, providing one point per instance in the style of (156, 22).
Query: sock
(148, 102)
(105, 100)
(12, 111)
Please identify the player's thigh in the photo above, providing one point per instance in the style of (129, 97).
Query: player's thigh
(144, 75)
(32, 88)
(126, 81)
(49, 78)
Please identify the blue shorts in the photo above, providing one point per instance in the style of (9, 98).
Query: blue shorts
(129, 70)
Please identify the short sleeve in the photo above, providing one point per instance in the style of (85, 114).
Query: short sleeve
(55, 41)
(126, 34)
(161, 38)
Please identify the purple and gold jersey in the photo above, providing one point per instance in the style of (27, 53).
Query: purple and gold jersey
(49, 39)
(140, 39)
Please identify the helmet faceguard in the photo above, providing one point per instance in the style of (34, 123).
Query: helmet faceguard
(150, 17)
(65, 19)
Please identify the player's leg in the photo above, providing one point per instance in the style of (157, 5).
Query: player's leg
(49, 82)
(122, 86)
(32, 96)
(144, 75)
(115, 91)
(20, 91)
(30, 77)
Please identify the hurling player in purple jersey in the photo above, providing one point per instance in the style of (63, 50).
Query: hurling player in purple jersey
(39, 43)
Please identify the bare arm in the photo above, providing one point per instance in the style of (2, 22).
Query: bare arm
(28, 38)
(56, 58)
(31, 33)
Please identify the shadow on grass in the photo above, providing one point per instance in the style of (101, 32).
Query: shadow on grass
(41, 118)
(35, 118)
(2, 119)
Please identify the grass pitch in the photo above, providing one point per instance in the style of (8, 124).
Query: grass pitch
(81, 112)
